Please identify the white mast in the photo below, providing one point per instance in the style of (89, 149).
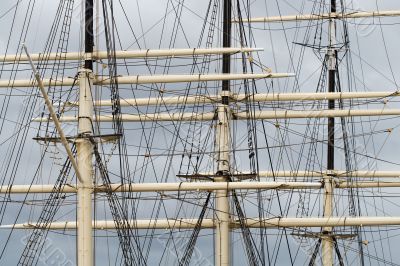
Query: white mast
(222, 236)
(222, 232)
(84, 147)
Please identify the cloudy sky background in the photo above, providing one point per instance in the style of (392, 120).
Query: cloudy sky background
(374, 72)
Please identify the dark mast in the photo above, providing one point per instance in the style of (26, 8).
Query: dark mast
(89, 35)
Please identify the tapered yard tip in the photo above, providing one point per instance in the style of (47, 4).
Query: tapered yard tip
(7, 226)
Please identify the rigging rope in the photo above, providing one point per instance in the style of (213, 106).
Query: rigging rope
(35, 242)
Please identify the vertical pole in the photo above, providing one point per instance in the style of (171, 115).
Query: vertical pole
(85, 165)
(222, 235)
(85, 148)
(226, 42)
(327, 241)
(89, 32)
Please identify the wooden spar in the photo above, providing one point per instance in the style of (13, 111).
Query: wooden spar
(144, 118)
(324, 16)
(54, 116)
(336, 173)
(173, 223)
(143, 79)
(133, 54)
(198, 186)
(319, 113)
(258, 115)
(156, 187)
(262, 97)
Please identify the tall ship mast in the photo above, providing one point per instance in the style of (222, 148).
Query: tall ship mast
(212, 132)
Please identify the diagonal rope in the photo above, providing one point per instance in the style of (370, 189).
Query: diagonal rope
(337, 250)
(251, 250)
(315, 253)
(35, 243)
(132, 255)
(185, 261)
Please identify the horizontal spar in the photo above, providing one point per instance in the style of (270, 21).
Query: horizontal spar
(127, 54)
(162, 117)
(32, 83)
(356, 184)
(335, 173)
(267, 97)
(308, 17)
(189, 78)
(258, 115)
(315, 96)
(143, 79)
(317, 114)
(158, 187)
(173, 223)
(196, 186)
